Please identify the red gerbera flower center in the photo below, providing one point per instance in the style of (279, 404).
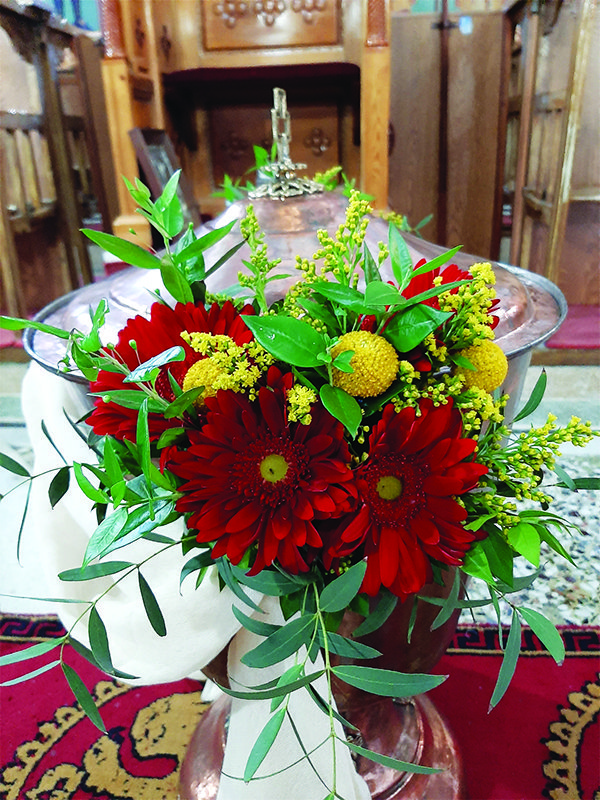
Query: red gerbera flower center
(393, 489)
(270, 469)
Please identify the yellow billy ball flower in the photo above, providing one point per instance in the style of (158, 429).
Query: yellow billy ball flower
(205, 373)
(375, 364)
(490, 365)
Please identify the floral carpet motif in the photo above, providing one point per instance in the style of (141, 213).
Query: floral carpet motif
(48, 749)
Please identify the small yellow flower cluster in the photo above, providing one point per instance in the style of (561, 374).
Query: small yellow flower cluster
(300, 289)
(258, 264)
(329, 178)
(300, 400)
(478, 406)
(437, 352)
(471, 303)
(339, 253)
(503, 509)
(225, 365)
(394, 217)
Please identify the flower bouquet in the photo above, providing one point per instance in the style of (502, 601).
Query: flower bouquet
(328, 453)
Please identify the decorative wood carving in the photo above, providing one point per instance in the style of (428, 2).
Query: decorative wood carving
(165, 42)
(317, 141)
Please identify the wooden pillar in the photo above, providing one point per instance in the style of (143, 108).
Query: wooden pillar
(375, 103)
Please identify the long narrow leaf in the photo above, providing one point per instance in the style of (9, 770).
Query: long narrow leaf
(263, 744)
(449, 605)
(283, 643)
(534, 399)
(13, 466)
(387, 603)
(152, 608)
(34, 651)
(546, 633)
(387, 683)
(276, 691)
(394, 763)
(509, 661)
(30, 675)
(340, 592)
(83, 696)
(254, 625)
(94, 571)
(99, 640)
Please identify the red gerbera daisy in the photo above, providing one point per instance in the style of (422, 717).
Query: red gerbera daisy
(153, 336)
(407, 512)
(252, 478)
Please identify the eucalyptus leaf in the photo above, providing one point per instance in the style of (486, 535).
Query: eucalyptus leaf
(386, 604)
(13, 466)
(106, 533)
(83, 696)
(339, 593)
(151, 606)
(387, 683)
(35, 650)
(59, 485)
(286, 641)
(346, 647)
(546, 633)
(449, 604)
(231, 580)
(92, 571)
(274, 584)
(509, 661)
(263, 744)
(99, 640)
(29, 675)
(198, 562)
(254, 625)
(276, 691)
(393, 763)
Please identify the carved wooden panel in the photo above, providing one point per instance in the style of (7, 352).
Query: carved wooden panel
(235, 129)
(247, 24)
(135, 32)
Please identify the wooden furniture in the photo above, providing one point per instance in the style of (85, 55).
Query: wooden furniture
(557, 179)
(217, 64)
(47, 159)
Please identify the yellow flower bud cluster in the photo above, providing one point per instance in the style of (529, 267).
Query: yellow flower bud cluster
(340, 253)
(224, 365)
(470, 303)
(258, 264)
(479, 406)
(300, 400)
(394, 217)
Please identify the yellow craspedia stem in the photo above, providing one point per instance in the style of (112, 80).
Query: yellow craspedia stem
(490, 365)
(375, 364)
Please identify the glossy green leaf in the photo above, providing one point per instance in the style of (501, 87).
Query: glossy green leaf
(385, 605)
(92, 571)
(263, 744)
(198, 562)
(509, 661)
(402, 265)
(546, 633)
(108, 530)
(436, 262)
(274, 584)
(342, 406)
(449, 603)
(17, 324)
(344, 296)
(146, 370)
(286, 641)
(140, 523)
(98, 639)
(526, 540)
(408, 328)
(476, 564)
(287, 339)
(500, 557)
(182, 403)
(319, 311)
(83, 696)
(132, 398)
(175, 283)
(387, 761)
(89, 490)
(13, 466)
(128, 252)
(387, 683)
(151, 606)
(339, 593)
(370, 268)
(59, 485)
(35, 650)
(378, 293)
(202, 243)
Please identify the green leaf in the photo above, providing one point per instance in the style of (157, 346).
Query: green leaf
(370, 268)
(347, 648)
(13, 466)
(59, 485)
(182, 403)
(128, 252)
(274, 584)
(30, 675)
(436, 262)
(92, 571)
(402, 265)
(99, 640)
(152, 608)
(33, 651)
(387, 761)
(407, 329)
(132, 398)
(327, 709)
(145, 371)
(343, 296)
(289, 676)
(342, 406)
(378, 293)
(140, 523)
(175, 283)
(526, 540)
(83, 696)
(95, 494)
(551, 540)
(386, 604)
(342, 361)
(509, 661)
(535, 398)
(387, 683)
(565, 478)
(500, 557)
(546, 633)
(231, 579)
(288, 339)
(263, 743)
(108, 530)
(254, 625)
(142, 440)
(89, 656)
(476, 564)
(202, 243)
(340, 592)
(449, 604)
(194, 564)
(584, 483)
(17, 324)
(277, 691)
(286, 641)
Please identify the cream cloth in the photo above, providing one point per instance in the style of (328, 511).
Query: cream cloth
(199, 622)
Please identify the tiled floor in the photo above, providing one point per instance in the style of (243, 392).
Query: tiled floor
(569, 595)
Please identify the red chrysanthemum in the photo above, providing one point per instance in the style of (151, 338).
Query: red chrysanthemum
(407, 508)
(253, 479)
(153, 336)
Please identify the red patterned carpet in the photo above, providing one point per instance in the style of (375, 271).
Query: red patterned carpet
(543, 740)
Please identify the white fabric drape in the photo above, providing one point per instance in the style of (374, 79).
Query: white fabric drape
(199, 622)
